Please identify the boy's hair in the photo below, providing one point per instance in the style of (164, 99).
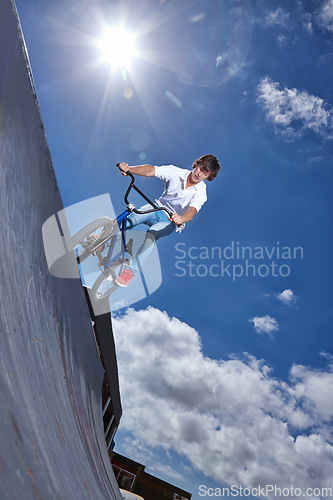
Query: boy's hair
(208, 163)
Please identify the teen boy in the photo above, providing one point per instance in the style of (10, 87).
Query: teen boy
(184, 194)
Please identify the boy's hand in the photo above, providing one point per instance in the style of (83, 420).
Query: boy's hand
(176, 219)
(124, 168)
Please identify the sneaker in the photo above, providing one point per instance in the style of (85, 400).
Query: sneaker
(124, 278)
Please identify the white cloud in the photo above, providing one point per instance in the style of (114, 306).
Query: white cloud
(325, 15)
(314, 386)
(265, 324)
(230, 418)
(277, 17)
(287, 297)
(282, 40)
(232, 61)
(307, 22)
(292, 111)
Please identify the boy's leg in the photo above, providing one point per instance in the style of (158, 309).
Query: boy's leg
(134, 219)
(157, 231)
(160, 226)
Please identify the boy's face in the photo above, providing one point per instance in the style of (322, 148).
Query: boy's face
(198, 175)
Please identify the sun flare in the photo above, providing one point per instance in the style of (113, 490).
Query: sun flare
(118, 47)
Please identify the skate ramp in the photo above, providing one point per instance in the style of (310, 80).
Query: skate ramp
(52, 439)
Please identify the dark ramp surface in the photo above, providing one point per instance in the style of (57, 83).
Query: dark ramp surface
(52, 441)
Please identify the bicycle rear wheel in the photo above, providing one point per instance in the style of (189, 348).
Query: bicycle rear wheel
(88, 239)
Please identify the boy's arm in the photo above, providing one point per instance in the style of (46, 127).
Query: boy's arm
(144, 170)
(186, 217)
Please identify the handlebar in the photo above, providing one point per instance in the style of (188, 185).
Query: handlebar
(133, 186)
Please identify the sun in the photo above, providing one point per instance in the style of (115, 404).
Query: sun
(118, 47)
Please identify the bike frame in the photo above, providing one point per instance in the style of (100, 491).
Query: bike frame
(122, 224)
(110, 259)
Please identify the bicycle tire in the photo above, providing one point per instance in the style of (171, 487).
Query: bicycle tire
(102, 282)
(105, 224)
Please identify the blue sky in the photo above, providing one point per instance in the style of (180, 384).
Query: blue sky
(238, 388)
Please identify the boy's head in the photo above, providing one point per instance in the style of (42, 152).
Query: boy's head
(208, 163)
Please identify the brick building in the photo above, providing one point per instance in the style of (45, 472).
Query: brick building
(132, 476)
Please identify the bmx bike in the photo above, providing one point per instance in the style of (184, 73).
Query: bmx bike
(102, 235)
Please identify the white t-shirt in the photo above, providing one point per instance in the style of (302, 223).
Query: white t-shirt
(175, 195)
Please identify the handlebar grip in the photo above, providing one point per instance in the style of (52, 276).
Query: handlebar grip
(126, 173)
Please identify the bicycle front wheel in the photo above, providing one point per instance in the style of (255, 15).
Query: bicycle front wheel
(92, 236)
(104, 286)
